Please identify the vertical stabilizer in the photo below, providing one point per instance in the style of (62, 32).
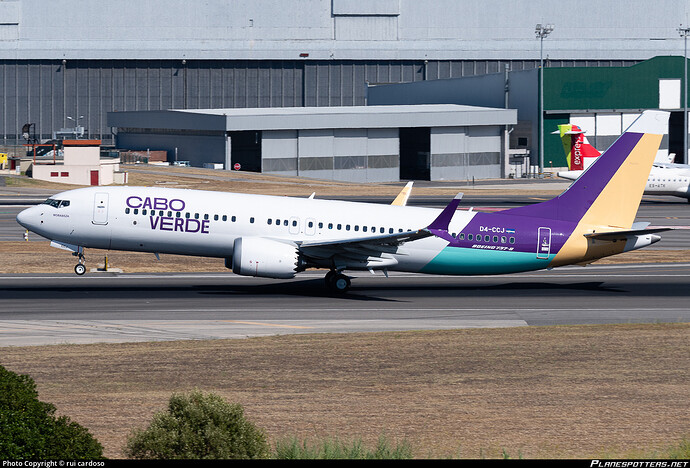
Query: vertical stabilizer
(608, 193)
(579, 153)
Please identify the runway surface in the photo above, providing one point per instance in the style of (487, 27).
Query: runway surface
(107, 307)
(110, 307)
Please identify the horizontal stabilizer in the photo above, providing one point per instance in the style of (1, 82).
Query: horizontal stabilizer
(624, 235)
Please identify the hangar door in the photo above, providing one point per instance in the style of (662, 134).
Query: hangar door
(675, 137)
(415, 153)
(245, 149)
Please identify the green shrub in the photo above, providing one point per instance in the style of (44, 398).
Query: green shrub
(30, 430)
(198, 426)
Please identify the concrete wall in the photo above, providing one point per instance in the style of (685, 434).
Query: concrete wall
(76, 174)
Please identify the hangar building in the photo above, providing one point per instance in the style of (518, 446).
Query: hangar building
(354, 143)
(601, 101)
(90, 58)
(70, 68)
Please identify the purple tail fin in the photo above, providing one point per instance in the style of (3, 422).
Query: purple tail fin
(613, 185)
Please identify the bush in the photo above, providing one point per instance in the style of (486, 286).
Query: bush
(198, 426)
(30, 430)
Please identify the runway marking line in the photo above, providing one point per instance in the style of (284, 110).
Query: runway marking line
(267, 324)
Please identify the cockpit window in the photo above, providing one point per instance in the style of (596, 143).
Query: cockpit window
(56, 203)
(52, 202)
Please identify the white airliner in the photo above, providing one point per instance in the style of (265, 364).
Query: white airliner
(665, 177)
(278, 237)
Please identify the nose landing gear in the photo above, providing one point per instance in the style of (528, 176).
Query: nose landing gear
(80, 268)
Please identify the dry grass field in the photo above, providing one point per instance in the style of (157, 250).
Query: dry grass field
(570, 392)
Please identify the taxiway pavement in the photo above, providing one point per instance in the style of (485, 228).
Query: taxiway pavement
(108, 307)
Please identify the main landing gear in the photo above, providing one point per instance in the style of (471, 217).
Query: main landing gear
(337, 282)
(80, 268)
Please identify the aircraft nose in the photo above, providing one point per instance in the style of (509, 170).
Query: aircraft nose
(25, 218)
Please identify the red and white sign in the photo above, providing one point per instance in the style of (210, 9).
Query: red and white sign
(237, 166)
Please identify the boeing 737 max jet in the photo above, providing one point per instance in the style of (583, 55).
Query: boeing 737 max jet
(278, 237)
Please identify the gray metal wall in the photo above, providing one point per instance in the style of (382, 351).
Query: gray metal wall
(353, 155)
(337, 29)
(46, 92)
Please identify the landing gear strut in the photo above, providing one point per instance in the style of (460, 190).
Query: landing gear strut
(337, 282)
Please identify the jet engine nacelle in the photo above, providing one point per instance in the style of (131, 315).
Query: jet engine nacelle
(255, 256)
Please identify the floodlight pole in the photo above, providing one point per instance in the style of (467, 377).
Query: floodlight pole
(684, 31)
(541, 31)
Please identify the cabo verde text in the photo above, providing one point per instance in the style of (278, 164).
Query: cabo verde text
(168, 223)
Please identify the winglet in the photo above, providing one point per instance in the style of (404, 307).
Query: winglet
(401, 199)
(443, 220)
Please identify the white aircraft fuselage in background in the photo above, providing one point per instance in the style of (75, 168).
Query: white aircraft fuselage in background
(664, 179)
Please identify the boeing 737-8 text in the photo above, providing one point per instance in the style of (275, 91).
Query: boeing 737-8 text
(277, 237)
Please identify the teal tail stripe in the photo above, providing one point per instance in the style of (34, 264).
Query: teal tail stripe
(464, 261)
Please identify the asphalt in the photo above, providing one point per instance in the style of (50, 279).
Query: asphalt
(109, 307)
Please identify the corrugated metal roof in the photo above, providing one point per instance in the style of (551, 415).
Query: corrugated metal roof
(290, 118)
(440, 115)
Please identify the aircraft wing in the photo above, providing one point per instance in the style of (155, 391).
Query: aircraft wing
(370, 251)
(370, 246)
(404, 195)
